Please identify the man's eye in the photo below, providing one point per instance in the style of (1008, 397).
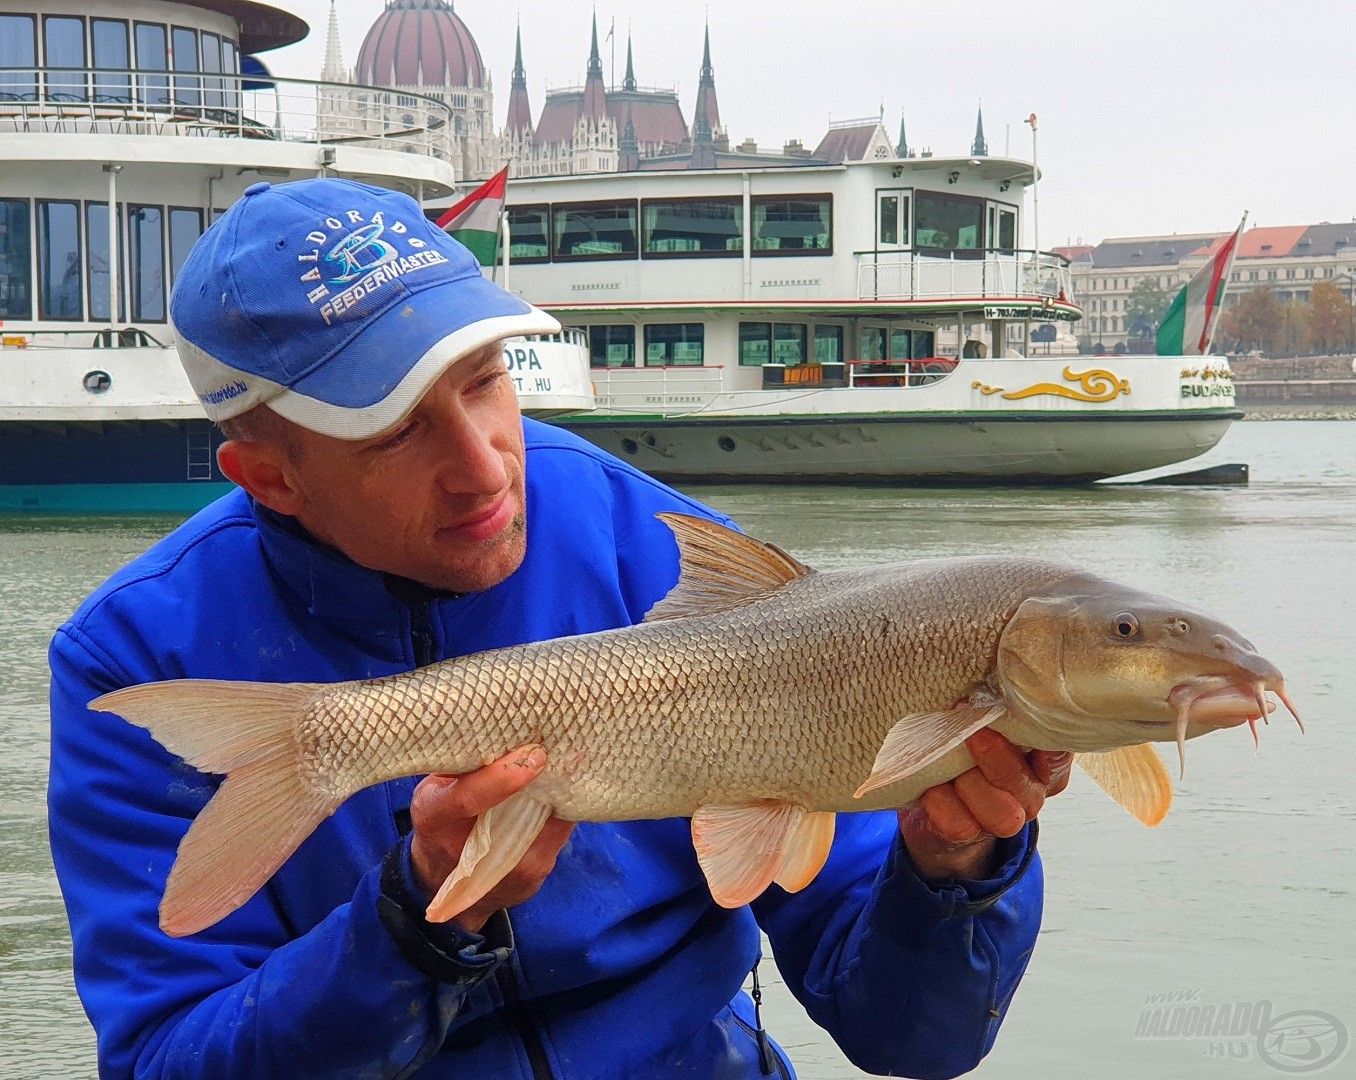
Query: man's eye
(397, 437)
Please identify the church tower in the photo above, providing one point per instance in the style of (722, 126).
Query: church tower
(980, 147)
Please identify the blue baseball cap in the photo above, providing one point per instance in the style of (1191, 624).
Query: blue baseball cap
(336, 303)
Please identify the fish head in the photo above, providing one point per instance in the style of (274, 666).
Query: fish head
(1091, 666)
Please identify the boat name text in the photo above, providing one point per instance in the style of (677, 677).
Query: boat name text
(789, 283)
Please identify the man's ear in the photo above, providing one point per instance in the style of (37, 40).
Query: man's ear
(264, 471)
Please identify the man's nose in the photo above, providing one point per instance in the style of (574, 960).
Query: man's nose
(471, 464)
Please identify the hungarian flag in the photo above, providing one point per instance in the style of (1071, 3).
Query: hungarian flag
(475, 220)
(1188, 328)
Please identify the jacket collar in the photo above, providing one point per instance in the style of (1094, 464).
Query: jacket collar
(329, 583)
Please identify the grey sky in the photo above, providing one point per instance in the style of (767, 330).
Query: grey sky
(1155, 116)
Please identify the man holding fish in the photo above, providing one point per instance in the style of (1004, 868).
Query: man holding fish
(331, 914)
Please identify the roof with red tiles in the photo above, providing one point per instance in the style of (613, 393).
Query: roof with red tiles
(419, 43)
(845, 143)
(656, 115)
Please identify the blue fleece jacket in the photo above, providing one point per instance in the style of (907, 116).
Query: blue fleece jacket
(621, 966)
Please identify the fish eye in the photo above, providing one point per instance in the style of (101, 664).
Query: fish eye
(1127, 626)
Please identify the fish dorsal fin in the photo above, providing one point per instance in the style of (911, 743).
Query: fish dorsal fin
(1135, 777)
(918, 740)
(744, 849)
(721, 569)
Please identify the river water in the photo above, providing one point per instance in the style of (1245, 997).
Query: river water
(1241, 902)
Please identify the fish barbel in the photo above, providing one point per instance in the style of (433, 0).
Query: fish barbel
(759, 698)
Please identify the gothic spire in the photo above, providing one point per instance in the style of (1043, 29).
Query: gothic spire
(706, 117)
(333, 70)
(519, 108)
(595, 95)
(629, 82)
(902, 150)
(979, 148)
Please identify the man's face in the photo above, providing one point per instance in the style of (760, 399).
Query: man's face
(440, 498)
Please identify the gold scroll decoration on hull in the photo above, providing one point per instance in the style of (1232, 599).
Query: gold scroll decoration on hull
(1095, 385)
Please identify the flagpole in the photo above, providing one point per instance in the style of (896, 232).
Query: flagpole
(504, 242)
(1224, 278)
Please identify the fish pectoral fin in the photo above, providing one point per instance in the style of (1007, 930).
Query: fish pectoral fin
(1133, 776)
(498, 842)
(922, 738)
(744, 849)
(806, 850)
(721, 569)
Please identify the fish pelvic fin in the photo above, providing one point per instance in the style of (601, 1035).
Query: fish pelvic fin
(498, 841)
(1135, 777)
(744, 849)
(721, 569)
(263, 810)
(918, 740)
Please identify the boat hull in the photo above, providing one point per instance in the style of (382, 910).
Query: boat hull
(1006, 448)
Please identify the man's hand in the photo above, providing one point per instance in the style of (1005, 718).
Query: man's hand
(954, 828)
(444, 810)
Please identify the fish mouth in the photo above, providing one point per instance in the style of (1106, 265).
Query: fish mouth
(1221, 702)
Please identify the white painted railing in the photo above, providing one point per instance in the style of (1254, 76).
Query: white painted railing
(663, 390)
(907, 275)
(127, 102)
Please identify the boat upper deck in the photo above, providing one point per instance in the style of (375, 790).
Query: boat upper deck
(917, 235)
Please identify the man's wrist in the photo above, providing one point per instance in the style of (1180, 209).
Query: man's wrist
(1010, 860)
(444, 951)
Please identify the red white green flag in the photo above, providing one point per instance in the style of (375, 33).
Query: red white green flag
(1188, 328)
(474, 221)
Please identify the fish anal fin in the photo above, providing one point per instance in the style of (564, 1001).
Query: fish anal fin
(498, 841)
(916, 741)
(721, 569)
(806, 850)
(1135, 777)
(743, 849)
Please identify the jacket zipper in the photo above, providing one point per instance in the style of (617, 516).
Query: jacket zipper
(421, 635)
(519, 1017)
(515, 1008)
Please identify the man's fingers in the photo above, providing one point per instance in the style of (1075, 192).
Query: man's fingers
(948, 816)
(997, 811)
(440, 800)
(1052, 768)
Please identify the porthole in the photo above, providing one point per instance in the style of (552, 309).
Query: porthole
(726, 443)
(630, 446)
(96, 382)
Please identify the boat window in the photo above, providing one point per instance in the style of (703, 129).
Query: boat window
(146, 248)
(871, 343)
(16, 260)
(601, 230)
(18, 49)
(61, 281)
(901, 344)
(152, 55)
(924, 344)
(612, 346)
(63, 44)
(529, 233)
(230, 64)
(211, 64)
(675, 344)
(185, 226)
(828, 344)
(947, 222)
(96, 265)
(755, 344)
(693, 227)
(111, 53)
(1002, 228)
(793, 225)
(788, 343)
(184, 57)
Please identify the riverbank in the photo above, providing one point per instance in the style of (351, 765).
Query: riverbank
(1295, 388)
(1292, 410)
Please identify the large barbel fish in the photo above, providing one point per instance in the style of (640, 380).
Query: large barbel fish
(759, 698)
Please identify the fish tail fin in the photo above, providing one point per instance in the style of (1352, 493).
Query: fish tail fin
(263, 810)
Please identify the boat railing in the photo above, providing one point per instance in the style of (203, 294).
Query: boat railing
(138, 102)
(567, 335)
(126, 337)
(905, 373)
(664, 390)
(996, 274)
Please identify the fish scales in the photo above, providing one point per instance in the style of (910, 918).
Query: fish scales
(785, 698)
